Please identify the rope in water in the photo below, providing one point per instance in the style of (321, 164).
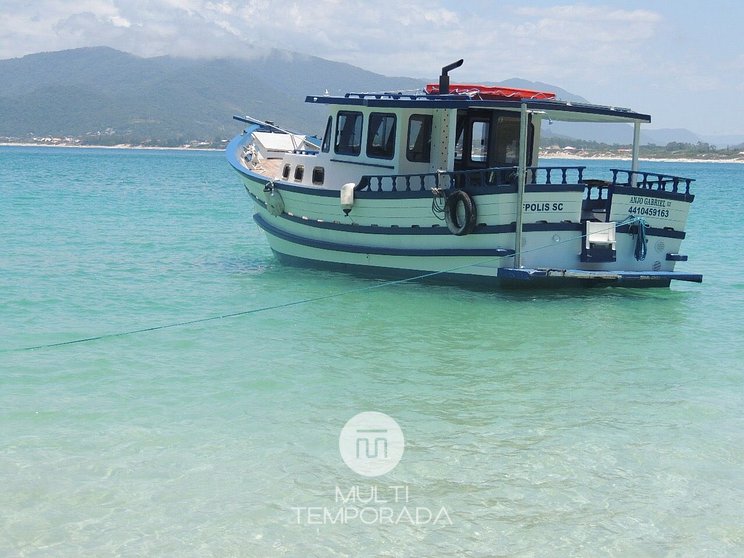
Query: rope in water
(630, 220)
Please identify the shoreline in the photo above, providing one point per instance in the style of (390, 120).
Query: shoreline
(118, 146)
(551, 155)
(608, 157)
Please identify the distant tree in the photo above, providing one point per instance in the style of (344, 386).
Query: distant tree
(678, 146)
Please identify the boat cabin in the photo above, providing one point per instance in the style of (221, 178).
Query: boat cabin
(467, 128)
(401, 135)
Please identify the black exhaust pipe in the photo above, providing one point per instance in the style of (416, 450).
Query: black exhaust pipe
(444, 81)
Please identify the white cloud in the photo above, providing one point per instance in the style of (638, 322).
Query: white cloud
(403, 37)
(607, 53)
(118, 21)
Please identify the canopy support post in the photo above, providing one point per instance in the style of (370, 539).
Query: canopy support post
(636, 151)
(521, 179)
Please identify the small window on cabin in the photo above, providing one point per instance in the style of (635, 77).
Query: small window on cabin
(460, 143)
(348, 133)
(418, 149)
(318, 176)
(285, 172)
(381, 136)
(326, 146)
(299, 173)
(479, 142)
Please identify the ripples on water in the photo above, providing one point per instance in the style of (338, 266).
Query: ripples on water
(573, 423)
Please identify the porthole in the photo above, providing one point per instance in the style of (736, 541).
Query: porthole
(299, 172)
(285, 172)
(318, 176)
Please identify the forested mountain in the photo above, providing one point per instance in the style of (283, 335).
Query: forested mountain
(104, 96)
(102, 92)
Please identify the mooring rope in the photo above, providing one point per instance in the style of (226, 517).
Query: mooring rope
(296, 302)
(641, 245)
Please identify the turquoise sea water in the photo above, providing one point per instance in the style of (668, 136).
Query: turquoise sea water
(590, 423)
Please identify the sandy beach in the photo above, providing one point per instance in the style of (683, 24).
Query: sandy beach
(581, 155)
(544, 154)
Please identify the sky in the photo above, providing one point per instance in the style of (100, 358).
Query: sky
(681, 61)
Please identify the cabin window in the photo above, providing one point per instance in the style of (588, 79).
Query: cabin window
(507, 141)
(285, 171)
(381, 136)
(460, 143)
(299, 173)
(489, 138)
(418, 148)
(472, 149)
(479, 141)
(318, 176)
(348, 133)
(326, 146)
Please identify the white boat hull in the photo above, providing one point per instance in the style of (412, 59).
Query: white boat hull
(498, 225)
(374, 239)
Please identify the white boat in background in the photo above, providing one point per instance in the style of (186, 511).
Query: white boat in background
(448, 182)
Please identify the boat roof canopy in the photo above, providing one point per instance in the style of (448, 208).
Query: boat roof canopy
(553, 109)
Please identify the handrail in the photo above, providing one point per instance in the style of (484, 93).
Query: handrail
(596, 189)
(474, 178)
(653, 181)
(563, 172)
(507, 176)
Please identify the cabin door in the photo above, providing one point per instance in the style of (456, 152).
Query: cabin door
(473, 139)
(489, 139)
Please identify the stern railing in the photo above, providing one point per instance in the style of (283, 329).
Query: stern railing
(652, 181)
(507, 177)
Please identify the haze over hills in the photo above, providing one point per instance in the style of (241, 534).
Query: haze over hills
(108, 96)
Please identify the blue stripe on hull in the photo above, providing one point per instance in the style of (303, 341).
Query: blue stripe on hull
(621, 278)
(506, 279)
(391, 273)
(379, 250)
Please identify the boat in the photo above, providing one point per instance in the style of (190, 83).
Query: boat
(446, 183)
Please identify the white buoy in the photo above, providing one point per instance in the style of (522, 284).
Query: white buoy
(274, 201)
(347, 197)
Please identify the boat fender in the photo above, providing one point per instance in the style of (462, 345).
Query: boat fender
(347, 197)
(460, 213)
(274, 201)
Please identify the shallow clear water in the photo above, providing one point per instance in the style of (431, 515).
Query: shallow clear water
(602, 422)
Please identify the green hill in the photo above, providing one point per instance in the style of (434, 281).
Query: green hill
(107, 96)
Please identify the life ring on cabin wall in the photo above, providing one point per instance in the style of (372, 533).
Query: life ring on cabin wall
(460, 213)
